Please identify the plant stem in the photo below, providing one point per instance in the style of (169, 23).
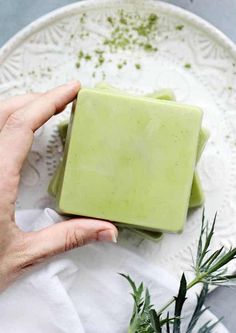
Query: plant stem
(166, 306)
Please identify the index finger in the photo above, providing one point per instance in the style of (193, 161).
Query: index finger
(12, 104)
(16, 136)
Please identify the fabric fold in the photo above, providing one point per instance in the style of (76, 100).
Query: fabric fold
(81, 291)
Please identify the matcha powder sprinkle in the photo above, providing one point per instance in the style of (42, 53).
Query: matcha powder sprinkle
(127, 32)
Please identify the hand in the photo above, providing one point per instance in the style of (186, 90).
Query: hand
(19, 117)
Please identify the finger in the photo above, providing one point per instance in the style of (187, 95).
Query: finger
(66, 236)
(10, 105)
(54, 101)
(16, 136)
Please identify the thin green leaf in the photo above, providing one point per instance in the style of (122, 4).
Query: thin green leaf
(209, 236)
(155, 321)
(140, 320)
(167, 323)
(147, 300)
(198, 309)
(131, 282)
(224, 260)
(179, 302)
(139, 290)
(226, 279)
(206, 328)
(170, 320)
(199, 249)
(212, 258)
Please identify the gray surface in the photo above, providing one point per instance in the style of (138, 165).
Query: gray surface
(15, 14)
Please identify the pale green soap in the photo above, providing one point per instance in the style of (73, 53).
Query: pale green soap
(130, 160)
(105, 86)
(55, 181)
(154, 236)
(165, 94)
(203, 138)
(62, 128)
(197, 194)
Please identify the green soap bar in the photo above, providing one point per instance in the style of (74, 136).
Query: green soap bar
(165, 94)
(203, 138)
(55, 181)
(197, 194)
(161, 94)
(105, 86)
(154, 236)
(130, 160)
(197, 197)
(62, 128)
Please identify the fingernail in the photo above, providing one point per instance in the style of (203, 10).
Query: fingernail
(107, 236)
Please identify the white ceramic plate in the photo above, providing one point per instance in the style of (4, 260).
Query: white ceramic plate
(44, 55)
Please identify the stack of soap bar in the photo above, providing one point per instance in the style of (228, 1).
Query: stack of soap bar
(130, 160)
(197, 196)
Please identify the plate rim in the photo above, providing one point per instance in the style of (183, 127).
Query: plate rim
(24, 33)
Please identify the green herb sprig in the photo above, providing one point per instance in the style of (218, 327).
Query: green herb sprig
(210, 268)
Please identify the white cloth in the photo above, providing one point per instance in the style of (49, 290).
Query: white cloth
(80, 291)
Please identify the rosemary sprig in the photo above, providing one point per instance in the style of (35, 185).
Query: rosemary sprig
(144, 318)
(210, 269)
(140, 321)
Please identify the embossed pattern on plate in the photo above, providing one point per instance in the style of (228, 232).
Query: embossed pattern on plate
(44, 55)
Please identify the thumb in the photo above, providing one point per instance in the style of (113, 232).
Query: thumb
(68, 235)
